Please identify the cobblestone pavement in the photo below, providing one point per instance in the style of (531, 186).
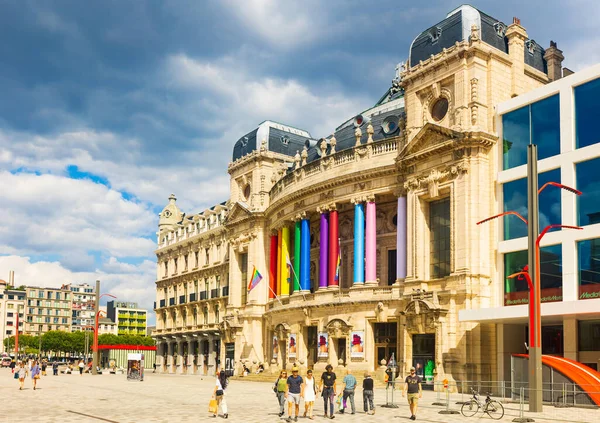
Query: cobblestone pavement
(170, 398)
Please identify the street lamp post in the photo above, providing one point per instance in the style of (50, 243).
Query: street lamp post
(97, 310)
(532, 273)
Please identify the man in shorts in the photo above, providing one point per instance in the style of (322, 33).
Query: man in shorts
(412, 388)
(294, 393)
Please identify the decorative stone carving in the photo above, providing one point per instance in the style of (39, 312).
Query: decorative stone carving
(297, 160)
(433, 179)
(323, 147)
(304, 155)
(370, 132)
(474, 33)
(337, 328)
(299, 205)
(357, 135)
(326, 195)
(263, 146)
(332, 143)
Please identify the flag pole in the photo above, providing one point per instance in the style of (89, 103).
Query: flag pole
(297, 280)
(276, 297)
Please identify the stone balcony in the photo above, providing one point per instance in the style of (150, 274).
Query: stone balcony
(362, 158)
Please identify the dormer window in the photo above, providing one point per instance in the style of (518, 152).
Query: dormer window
(285, 140)
(435, 34)
(500, 29)
(244, 141)
(530, 46)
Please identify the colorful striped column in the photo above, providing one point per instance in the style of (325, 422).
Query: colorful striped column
(371, 244)
(285, 259)
(323, 251)
(359, 244)
(401, 239)
(273, 267)
(279, 262)
(305, 255)
(297, 238)
(333, 248)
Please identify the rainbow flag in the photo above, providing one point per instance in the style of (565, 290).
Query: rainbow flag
(254, 279)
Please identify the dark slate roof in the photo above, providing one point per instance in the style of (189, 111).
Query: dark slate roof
(285, 142)
(534, 56)
(456, 27)
(245, 145)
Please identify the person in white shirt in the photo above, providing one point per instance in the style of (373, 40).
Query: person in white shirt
(219, 393)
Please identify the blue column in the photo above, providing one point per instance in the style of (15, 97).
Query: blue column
(305, 255)
(359, 244)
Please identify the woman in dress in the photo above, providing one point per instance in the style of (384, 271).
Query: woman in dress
(219, 393)
(35, 373)
(22, 374)
(310, 391)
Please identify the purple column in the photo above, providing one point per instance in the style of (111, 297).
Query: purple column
(401, 239)
(323, 250)
(371, 244)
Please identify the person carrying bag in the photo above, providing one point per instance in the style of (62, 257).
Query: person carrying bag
(279, 388)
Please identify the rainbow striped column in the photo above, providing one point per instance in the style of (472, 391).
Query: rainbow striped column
(323, 251)
(401, 239)
(371, 242)
(285, 260)
(305, 255)
(297, 242)
(279, 262)
(359, 244)
(273, 267)
(333, 249)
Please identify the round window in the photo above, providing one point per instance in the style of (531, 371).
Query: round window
(439, 109)
(247, 191)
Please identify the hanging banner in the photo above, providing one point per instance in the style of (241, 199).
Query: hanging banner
(323, 345)
(275, 347)
(135, 367)
(357, 348)
(293, 345)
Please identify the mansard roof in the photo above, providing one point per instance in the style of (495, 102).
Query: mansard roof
(281, 138)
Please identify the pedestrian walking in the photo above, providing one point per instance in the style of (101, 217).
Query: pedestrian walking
(35, 374)
(55, 368)
(368, 395)
(22, 374)
(219, 393)
(294, 393)
(328, 387)
(280, 387)
(310, 392)
(44, 365)
(412, 388)
(349, 388)
(81, 366)
(13, 364)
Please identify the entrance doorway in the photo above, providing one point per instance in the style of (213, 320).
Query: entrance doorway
(341, 349)
(229, 358)
(386, 336)
(311, 345)
(204, 370)
(424, 356)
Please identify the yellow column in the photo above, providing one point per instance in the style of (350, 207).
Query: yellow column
(285, 253)
(279, 262)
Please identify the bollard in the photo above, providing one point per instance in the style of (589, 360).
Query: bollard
(522, 418)
(462, 394)
(438, 399)
(447, 410)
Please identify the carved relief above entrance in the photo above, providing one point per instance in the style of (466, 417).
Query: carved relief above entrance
(422, 313)
(337, 328)
(281, 331)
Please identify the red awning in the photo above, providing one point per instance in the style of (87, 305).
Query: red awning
(127, 347)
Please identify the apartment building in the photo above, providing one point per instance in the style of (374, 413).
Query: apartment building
(47, 309)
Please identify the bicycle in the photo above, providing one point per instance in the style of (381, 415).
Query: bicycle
(492, 408)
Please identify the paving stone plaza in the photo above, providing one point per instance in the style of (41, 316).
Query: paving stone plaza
(170, 398)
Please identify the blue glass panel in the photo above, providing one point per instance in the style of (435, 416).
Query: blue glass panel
(588, 182)
(515, 199)
(516, 289)
(515, 128)
(587, 113)
(545, 126)
(589, 268)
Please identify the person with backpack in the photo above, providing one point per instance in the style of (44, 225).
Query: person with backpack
(328, 388)
(219, 393)
(279, 388)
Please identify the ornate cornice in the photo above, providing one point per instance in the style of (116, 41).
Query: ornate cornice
(432, 180)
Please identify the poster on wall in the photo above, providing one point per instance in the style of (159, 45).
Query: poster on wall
(275, 348)
(293, 345)
(135, 367)
(323, 345)
(357, 347)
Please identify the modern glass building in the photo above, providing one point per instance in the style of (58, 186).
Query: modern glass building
(562, 119)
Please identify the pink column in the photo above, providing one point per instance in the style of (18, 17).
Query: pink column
(371, 245)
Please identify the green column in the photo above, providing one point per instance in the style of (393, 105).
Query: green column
(296, 275)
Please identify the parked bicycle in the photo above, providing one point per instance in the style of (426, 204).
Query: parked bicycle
(491, 407)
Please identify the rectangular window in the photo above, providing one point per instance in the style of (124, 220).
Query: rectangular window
(589, 335)
(439, 238)
(588, 253)
(537, 123)
(516, 290)
(244, 272)
(515, 199)
(588, 182)
(587, 114)
(391, 267)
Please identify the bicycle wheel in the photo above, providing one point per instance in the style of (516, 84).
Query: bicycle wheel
(495, 410)
(469, 409)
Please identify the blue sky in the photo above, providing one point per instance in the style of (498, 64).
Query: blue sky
(109, 106)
